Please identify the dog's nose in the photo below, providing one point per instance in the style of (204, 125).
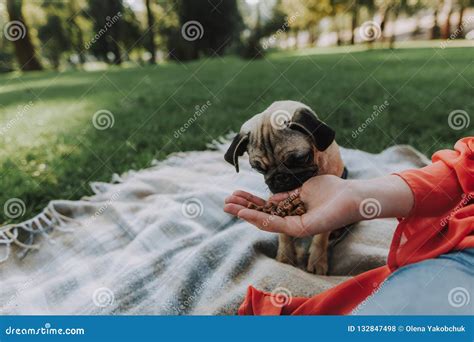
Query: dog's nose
(282, 178)
(282, 182)
(286, 181)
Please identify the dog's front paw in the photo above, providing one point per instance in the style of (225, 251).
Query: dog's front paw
(286, 250)
(286, 257)
(319, 267)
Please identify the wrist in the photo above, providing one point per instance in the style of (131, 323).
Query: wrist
(358, 193)
(387, 196)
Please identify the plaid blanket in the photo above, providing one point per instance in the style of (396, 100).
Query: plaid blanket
(156, 241)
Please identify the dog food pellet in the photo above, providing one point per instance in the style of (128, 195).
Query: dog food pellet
(287, 207)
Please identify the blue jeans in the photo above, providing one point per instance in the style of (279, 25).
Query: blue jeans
(441, 286)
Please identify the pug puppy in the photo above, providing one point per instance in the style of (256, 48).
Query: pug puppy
(288, 144)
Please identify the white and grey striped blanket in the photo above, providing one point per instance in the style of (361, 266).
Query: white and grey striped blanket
(156, 241)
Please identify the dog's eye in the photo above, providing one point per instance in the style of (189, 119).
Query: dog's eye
(299, 160)
(307, 158)
(259, 167)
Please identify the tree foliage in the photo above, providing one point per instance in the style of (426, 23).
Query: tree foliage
(70, 33)
(217, 24)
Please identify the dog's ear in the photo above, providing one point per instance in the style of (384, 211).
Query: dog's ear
(305, 121)
(236, 149)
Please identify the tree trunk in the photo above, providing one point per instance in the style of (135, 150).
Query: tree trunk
(24, 49)
(460, 26)
(383, 23)
(115, 49)
(55, 62)
(447, 24)
(435, 30)
(313, 37)
(355, 10)
(338, 34)
(416, 31)
(393, 36)
(75, 28)
(80, 43)
(150, 33)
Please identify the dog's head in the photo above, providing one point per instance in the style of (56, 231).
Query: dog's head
(287, 143)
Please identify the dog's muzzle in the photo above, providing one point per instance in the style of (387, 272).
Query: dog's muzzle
(287, 180)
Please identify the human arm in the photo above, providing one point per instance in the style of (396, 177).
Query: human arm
(331, 203)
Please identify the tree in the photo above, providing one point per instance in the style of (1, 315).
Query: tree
(386, 9)
(107, 26)
(354, 13)
(337, 7)
(24, 49)
(447, 24)
(460, 29)
(54, 35)
(150, 33)
(55, 39)
(276, 21)
(307, 14)
(131, 36)
(206, 27)
(75, 30)
(436, 30)
(396, 12)
(251, 47)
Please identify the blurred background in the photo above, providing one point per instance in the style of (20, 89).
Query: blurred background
(89, 88)
(85, 33)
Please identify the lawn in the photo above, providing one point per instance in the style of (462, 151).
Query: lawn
(51, 149)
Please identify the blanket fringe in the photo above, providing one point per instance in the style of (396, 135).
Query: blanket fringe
(42, 224)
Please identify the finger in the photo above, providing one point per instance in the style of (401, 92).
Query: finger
(284, 195)
(233, 209)
(290, 225)
(261, 220)
(249, 197)
(236, 200)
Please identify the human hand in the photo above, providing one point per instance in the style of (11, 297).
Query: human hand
(331, 203)
(328, 200)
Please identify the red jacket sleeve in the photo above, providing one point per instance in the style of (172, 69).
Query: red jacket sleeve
(443, 214)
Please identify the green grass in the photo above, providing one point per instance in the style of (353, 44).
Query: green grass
(51, 150)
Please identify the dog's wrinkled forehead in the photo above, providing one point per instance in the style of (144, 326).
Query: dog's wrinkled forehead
(268, 131)
(278, 114)
(283, 126)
